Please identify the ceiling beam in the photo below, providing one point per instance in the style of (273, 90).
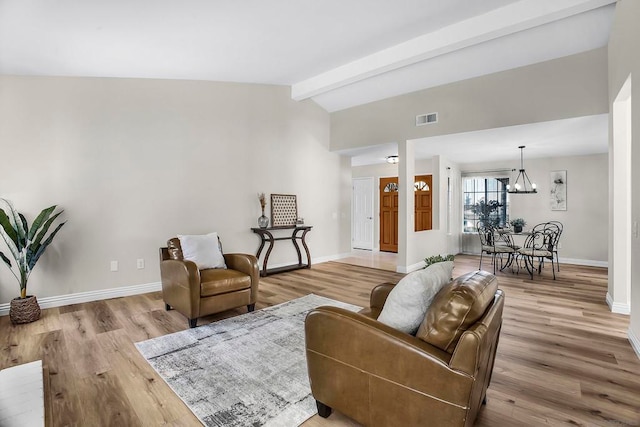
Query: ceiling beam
(519, 16)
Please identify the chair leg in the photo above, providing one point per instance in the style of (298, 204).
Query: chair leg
(481, 252)
(167, 306)
(323, 410)
(193, 323)
(251, 307)
(528, 262)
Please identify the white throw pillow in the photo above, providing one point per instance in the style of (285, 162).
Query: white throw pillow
(203, 250)
(409, 300)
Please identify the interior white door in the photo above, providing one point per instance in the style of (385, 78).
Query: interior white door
(362, 217)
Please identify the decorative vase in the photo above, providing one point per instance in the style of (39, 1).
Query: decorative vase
(24, 310)
(263, 221)
(517, 228)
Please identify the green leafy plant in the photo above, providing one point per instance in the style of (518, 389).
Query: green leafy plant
(26, 244)
(437, 258)
(518, 222)
(487, 213)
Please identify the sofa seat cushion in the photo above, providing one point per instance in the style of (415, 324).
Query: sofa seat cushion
(216, 281)
(498, 249)
(535, 252)
(456, 307)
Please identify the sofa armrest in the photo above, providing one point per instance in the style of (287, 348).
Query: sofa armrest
(247, 264)
(181, 286)
(347, 340)
(379, 295)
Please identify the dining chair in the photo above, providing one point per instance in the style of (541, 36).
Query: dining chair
(539, 244)
(491, 244)
(555, 246)
(553, 229)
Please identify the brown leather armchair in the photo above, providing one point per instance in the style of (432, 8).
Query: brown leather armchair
(196, 293)
(383, 377)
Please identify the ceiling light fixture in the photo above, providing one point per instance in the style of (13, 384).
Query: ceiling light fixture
(523, 184)
(393, 159)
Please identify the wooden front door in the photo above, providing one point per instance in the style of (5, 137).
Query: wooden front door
(389, 209)
(389, 214)
(423, 212)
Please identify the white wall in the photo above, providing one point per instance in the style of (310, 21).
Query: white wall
(624, 61)
(134, 162)
(585, 235)
(439, 240)
(573, 86)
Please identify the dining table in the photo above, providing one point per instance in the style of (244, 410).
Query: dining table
(506, 236)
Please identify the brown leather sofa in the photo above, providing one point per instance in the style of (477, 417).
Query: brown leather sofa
(383, 377)
(196, 293)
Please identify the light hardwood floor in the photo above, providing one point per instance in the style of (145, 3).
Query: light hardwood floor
(374, 259)
(563, 358)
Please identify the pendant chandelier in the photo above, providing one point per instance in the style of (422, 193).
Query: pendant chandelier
(523, 184)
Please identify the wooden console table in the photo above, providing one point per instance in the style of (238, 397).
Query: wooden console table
(266, 236)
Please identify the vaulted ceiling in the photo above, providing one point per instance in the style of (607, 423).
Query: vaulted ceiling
(340, 53)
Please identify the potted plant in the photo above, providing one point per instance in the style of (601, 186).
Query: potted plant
(437, 258)
(26, 245)
(517, 224)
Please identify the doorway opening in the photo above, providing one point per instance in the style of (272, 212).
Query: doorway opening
(362, 214)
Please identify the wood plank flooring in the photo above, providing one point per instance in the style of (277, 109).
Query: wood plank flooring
(563, 358)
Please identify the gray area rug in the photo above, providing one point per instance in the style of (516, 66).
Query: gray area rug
(248, 370)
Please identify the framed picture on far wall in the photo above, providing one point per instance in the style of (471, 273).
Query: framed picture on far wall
(558, 192)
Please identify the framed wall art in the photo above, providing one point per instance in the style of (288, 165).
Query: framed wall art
(284, 210)
(558, 192)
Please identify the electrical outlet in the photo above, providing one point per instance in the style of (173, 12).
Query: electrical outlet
(114, 265)
(140, 263)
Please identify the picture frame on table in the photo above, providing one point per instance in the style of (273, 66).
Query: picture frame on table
(284, 210)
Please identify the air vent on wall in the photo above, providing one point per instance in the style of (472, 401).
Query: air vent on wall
(426, 119)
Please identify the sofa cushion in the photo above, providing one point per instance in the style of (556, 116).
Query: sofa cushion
(204, 250)
(457, 306)
(218, 281)
(408, 301)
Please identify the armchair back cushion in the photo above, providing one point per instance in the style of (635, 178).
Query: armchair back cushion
(457, 306)
(175, 250)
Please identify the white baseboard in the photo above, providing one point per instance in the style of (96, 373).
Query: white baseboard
(80, 297)
(409, 268)
(617, 307)
(574, 261)
(124, 291)
(585, 262)
(330, 258)
(635, 342)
